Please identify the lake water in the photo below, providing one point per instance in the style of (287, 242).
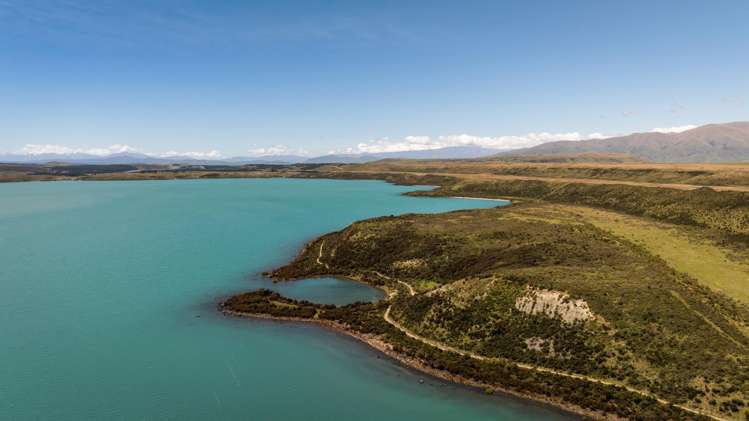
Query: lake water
(108, 294)
(324, 290)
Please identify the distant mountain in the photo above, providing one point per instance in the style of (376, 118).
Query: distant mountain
(268, 159)
(456, 152)
(341, 159)
(136, 158)
(77, 158)
(563, 158)
(727, 142)
(82, 158)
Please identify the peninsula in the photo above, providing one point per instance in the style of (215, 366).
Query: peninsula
(624, 300)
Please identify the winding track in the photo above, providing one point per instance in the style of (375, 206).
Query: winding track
(408, 286)
(319, 255)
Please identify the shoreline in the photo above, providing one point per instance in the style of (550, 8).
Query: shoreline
(415, 364)
(347, 278)
(480, 198)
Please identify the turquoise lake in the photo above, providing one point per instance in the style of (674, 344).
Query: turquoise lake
(108, 294)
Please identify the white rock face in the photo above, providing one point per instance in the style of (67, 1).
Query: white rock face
(554, 304)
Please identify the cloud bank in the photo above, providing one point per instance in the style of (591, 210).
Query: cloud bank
(48, 149)
(52, 149)
(276, 150)
(212, 154)
(382, 145)
(420, 143)
(508, 142)
(675, 129)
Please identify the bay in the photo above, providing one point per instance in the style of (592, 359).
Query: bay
(108, 294)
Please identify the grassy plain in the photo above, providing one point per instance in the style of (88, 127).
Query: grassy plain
(578, 169)
(685, 250)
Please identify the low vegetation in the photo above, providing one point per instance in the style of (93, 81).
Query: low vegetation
(577, 166)
(609, 167)
(726, 212)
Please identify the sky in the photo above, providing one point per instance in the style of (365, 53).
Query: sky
(246, 78)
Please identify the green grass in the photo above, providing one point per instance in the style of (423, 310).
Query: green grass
(726, 212)
(685, 251)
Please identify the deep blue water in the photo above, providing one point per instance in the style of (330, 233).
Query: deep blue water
(108, 294)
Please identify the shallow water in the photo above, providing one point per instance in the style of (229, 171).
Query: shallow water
(108, 294)
(324, 290)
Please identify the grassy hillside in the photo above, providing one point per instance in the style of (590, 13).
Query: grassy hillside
(728, 142)
(535, 284)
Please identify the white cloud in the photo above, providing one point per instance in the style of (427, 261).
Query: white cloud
(45, 149)
(276, 150)
(675, 129)
(385, 144)
(420, 143)
(213, 154)
(52, 149)
(408, 143)
(270, 150)
(36, 149)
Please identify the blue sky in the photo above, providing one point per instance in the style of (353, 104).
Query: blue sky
(251, 77)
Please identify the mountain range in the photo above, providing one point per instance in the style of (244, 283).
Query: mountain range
(454, 152)
(138, 158)
(459, 152)
(728, 142)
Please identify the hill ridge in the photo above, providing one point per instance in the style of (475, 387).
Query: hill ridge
(715, 142)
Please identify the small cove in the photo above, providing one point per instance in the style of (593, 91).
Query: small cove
(323, 290)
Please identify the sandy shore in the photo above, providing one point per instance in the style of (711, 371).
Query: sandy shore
(416, 364)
